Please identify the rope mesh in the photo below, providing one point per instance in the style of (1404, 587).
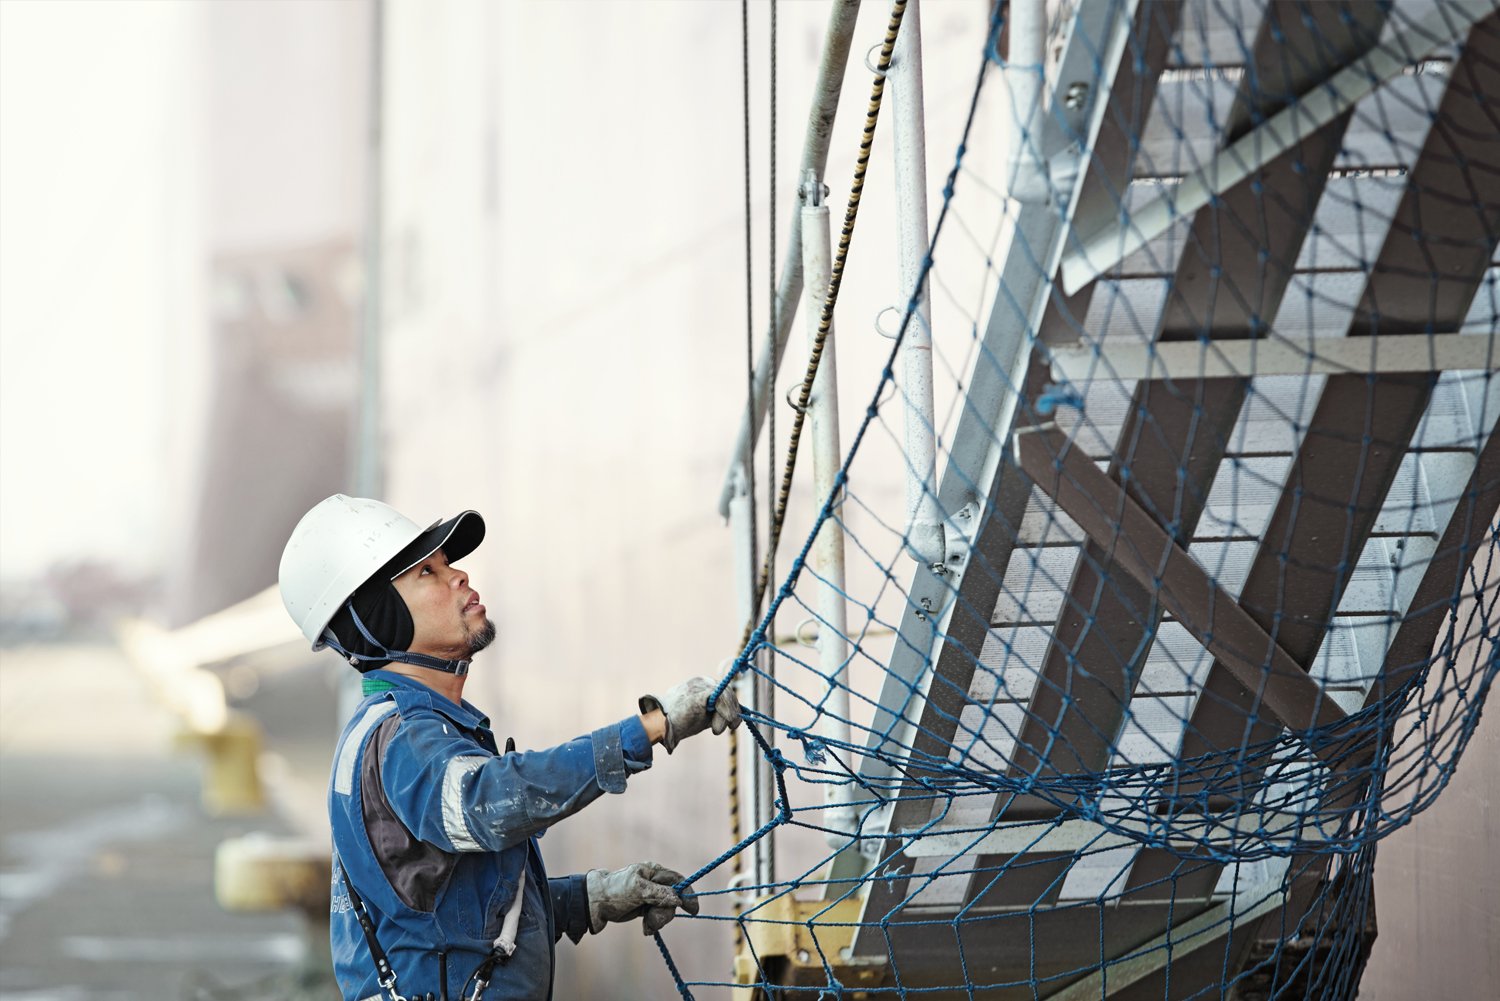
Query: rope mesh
(1215, 618)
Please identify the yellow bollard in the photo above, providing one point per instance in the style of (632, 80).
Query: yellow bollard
(231, 779)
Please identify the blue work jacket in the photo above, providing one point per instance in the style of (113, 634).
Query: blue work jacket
(433, 825)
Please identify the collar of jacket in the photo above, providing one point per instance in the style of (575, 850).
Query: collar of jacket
(409, 692)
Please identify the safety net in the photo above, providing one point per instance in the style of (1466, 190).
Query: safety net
(1198, 599)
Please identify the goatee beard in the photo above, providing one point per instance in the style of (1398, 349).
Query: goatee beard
(482, 637)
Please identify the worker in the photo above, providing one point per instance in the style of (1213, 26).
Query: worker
(439, 891)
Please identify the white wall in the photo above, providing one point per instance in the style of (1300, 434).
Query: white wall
(1437, 878)
(566, 344)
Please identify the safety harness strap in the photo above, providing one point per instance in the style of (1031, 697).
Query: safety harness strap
(384, 975)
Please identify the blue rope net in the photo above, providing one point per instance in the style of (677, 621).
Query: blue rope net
(1212, 622)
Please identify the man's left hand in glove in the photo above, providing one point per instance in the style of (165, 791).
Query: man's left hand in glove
(642, 890)
(685, 711)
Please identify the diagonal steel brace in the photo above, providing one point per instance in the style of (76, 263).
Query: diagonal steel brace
(1140, 545)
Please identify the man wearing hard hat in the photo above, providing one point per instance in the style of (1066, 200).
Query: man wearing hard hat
(439, 891)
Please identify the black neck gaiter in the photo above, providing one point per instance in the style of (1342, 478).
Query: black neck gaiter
(383, 613)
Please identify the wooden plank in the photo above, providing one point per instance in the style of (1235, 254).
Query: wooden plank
(1013, 954)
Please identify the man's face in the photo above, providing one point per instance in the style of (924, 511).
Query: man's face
(448, 620)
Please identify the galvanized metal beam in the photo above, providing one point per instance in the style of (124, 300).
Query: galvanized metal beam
(1384, 354)
(979, 469)
(926, 532)
(1181, 939)
(1074, 836)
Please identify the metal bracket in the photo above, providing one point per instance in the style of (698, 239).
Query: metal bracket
(800, 943)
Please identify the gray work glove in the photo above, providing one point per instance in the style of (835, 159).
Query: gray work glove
(640, 890)
(686, 709)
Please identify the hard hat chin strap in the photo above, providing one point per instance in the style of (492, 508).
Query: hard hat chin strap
(457, 667)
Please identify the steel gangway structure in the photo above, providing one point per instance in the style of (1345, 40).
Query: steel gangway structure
(1201, 597)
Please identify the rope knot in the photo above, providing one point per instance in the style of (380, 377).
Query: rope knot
(1054, 396)
(814, 750)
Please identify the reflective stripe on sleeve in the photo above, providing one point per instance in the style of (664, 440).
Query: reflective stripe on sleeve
(454, 780)
(343, 775)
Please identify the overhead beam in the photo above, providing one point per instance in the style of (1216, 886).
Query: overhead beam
(1248, 155)
(1074, 836)
(1385, 354)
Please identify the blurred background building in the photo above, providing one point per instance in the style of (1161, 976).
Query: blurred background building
(185, 212)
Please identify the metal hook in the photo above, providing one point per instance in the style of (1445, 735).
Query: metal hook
(813, 642)
(881, 330)
(746, 898)
(796, 388)
(872, 68)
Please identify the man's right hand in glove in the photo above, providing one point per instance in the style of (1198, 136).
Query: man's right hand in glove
(643, 890)
(685, 710)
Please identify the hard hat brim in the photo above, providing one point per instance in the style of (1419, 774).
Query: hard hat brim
(457, 537)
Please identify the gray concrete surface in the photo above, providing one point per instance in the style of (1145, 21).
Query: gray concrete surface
(106, 857)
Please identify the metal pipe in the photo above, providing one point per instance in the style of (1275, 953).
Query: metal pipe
(827, 455)
(366, 472)
(820, 119)
(924, 516)
(1025, 75)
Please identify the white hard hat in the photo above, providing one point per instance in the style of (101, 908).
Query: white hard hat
(344, 541)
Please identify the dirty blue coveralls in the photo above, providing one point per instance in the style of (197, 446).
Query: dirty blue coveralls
(433, 826)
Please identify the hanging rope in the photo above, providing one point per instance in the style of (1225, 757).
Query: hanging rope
(767, 702)
(825, 323)
(748, 460)
(825, 318)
